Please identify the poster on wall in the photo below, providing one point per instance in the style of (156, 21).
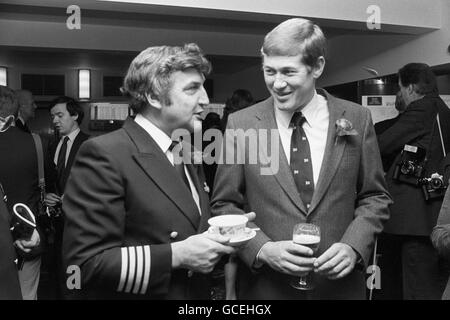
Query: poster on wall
(382, 107)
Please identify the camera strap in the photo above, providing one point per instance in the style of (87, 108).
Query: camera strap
(40, 158)
(440, 134)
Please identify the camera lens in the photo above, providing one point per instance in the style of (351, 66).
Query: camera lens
(436, 183)
(407, 168)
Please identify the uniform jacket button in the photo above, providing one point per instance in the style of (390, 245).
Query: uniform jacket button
(190, 273)
(173, 235)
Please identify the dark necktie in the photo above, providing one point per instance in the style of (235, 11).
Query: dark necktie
(179, 167)
(301, 165)
(61, 163)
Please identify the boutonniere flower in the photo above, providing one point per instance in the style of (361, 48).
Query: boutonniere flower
(344, 128)
(206, 187)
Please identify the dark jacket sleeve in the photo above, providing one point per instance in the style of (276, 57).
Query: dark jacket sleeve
(94, 232)
(441, 232)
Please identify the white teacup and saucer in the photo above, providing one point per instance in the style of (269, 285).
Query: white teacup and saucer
(232, 226)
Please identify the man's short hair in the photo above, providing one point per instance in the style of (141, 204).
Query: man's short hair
(294, 37)
(420, 76)
(8, 102)
(73, 107)
(149, 73)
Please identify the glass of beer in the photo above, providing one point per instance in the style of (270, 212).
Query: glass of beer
(308, 235)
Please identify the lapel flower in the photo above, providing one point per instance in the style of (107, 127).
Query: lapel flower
(206, 187)
(344, 128)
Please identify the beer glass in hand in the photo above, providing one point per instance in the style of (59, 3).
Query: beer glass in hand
(308, 235)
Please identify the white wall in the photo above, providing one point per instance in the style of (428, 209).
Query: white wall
(385, 53)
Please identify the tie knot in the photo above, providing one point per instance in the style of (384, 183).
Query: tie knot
(297, 120)
(65, 139)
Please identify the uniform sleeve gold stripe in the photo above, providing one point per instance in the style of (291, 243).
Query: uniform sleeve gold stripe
(147, 269)
(131, 270)
(123, 269)
(139, 269)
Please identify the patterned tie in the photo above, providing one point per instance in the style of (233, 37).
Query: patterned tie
(179, 167)
(61, 163)
(301, 165)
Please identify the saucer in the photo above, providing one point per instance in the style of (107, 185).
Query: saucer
(249, 235)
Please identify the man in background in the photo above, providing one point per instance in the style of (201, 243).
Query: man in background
(27, 109)
(407, 247)
(19, 178)
(67, 116)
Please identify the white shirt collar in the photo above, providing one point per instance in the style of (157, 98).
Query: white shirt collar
(72, 135)
(161, 139)
(311, 111)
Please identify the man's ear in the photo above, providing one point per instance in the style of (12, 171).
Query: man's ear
(318, 68)
(153, 102)
(411, 88)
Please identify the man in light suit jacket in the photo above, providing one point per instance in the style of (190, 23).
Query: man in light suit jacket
(134, 213)
(343, 190)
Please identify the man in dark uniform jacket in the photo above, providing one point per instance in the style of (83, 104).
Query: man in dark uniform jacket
(407, 233)
(134, 211)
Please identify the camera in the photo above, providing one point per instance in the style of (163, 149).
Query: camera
(410, 167)
(434, 186)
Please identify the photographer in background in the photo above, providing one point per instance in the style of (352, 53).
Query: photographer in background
(417, 140)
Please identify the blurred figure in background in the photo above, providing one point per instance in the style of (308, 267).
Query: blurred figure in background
(27, 109)
(240, 99)
(212, 121)
(19, 178)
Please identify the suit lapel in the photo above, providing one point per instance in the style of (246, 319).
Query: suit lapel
(333, 151)
(158, 168)
(283, 176)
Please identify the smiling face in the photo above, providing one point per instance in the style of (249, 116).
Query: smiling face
(188, 98)
(290, 82)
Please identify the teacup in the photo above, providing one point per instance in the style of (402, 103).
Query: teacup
(228, 225)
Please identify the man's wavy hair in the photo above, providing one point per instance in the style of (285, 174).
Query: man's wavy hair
(294, 37)
(149, 73)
